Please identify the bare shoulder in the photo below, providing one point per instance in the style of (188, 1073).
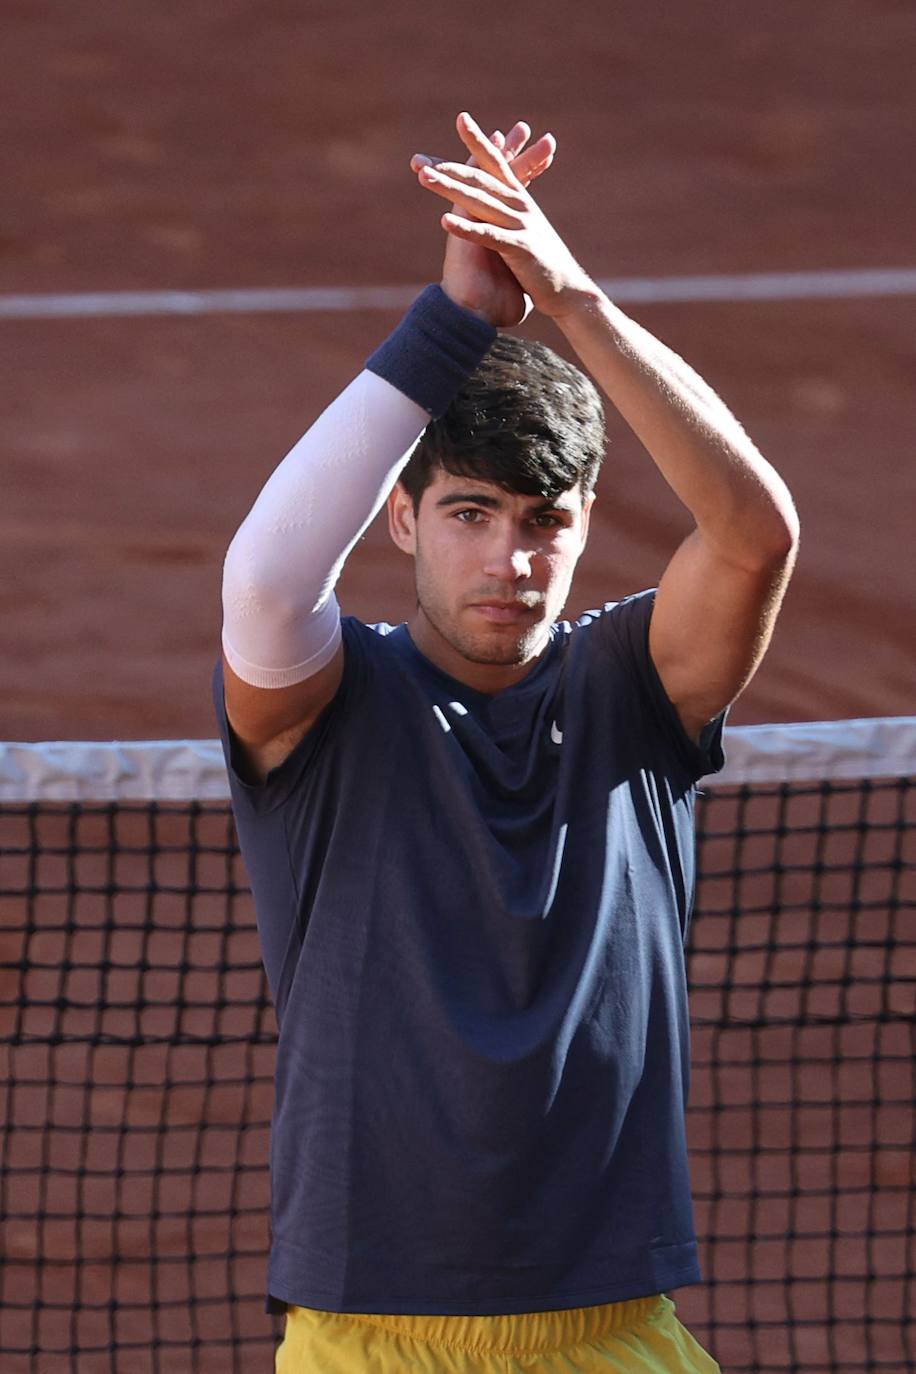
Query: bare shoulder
(268, 722)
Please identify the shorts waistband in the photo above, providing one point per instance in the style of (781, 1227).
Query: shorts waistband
(521, 1332)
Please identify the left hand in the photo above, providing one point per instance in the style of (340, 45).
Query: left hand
(472, 276)
(493, 210)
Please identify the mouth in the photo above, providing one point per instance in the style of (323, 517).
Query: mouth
(504, 612)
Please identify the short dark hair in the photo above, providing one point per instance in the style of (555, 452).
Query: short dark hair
(525, 419)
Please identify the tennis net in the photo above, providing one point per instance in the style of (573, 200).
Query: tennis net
(138, 1041)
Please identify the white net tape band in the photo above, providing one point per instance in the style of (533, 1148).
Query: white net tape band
(189, 770)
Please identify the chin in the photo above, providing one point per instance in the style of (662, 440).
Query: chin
(501, 650)
(496, 658)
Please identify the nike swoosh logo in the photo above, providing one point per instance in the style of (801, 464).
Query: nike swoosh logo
(556, 734)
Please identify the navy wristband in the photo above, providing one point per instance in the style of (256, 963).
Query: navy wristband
(434, 348)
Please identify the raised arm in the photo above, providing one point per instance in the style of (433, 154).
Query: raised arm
(718, 599)
(282, 649)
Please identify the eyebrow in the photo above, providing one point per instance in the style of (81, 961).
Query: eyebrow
(475, 498)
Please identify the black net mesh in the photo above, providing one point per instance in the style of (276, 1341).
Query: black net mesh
(803, 970)
(136, 1085)
(139, 1046)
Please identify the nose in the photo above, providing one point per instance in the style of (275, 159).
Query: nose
(507, 559)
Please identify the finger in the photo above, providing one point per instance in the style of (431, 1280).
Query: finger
(475, 179)
(498, 138)
(516, 139)
(535, 159)
(469, 196)
(419, 160)
(484, 235)
(486, 154)
(529, 172)
(527, 162)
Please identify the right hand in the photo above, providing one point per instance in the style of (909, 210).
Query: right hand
(477, 278)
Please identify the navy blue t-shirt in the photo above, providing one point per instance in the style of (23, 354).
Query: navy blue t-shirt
(472, 910)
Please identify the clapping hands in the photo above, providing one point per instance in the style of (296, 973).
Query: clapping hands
(503, 254)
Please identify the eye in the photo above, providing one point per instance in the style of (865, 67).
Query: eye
(470, 516)
(545, 521)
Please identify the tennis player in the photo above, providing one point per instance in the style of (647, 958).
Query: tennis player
(469, 837)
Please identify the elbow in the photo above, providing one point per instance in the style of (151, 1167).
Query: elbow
(775, 552)
(279, 581)
(768, 546)
(789, 531)
(784, 546)
(776, 530)
(254, 583)
(786, 524)
(772, 520)
(242, 585)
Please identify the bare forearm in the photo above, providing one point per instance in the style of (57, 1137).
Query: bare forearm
(738, 500)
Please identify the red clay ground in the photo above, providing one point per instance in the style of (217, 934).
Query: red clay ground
(266, 144)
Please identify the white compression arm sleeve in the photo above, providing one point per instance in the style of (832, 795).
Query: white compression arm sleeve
(281, 621)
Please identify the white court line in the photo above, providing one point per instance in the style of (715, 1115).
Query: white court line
(754, 286)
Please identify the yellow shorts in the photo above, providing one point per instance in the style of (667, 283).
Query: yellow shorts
(643, 1336)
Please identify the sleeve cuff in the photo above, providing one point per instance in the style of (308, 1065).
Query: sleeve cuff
(431, 352)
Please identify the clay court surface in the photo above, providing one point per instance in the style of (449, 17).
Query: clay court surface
(246, 145)
(238, 145)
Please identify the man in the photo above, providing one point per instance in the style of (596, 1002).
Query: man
(470, 837)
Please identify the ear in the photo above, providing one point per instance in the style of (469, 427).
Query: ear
(402, 523)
